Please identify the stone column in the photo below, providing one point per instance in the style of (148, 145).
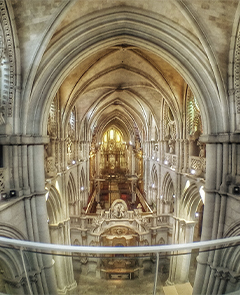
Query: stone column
(179, 265)
(130, 158)
(15, 167)
(158, 205)
(181, 155)
(186, 259)
(133, 162)
(63, 265)
(39, 210)
(186, 156)
(59, 264)
(173, 261)
(203, 271)
(26, 187)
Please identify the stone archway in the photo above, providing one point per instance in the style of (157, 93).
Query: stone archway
(143, 32)
(193, 68)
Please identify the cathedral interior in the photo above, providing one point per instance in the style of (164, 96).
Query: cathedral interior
(119, 127)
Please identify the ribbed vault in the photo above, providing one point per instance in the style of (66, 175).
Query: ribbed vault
(120, 57)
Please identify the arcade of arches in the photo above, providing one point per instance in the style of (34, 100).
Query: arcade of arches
(119, 126)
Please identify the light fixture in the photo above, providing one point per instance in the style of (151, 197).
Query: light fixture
(4, 196)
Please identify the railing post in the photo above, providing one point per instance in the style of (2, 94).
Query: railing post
(156, 275)
(25, 270)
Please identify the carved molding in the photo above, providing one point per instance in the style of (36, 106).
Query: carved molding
(8, 57)
(119, 209)
(237, 74)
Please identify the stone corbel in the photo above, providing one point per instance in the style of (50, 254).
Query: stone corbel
(16, 283)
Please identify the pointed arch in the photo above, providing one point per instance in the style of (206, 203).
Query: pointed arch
(154, 176)
(54, 206)
(8, 231)
(82, 179)
(168, 190)
(230, 257)
(71, 188)
(72, 195)
(154, 185)
(190, 201)
(192, 64)
(11, 266)
(168, 194)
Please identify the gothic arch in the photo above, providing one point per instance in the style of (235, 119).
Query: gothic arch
(8, 231)
(229, 264)
(12, 272)
(118, 117)
(83, 197)
(72, 195)
(168, 189)
(11, 265)
(82, 179)
(233, 230)
(168, 194)
(154, 188)
(71, 188)
(154, 177)
(54, 206)
(191, 63)
(190, 201)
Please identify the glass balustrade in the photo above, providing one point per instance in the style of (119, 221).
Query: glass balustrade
(36, 268)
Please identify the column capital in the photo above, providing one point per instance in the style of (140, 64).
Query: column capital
(220, 138)
(23, 140)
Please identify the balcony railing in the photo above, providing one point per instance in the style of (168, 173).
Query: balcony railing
(26, 247)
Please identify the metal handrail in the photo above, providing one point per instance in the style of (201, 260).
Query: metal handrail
(24, 245)
(117, 250)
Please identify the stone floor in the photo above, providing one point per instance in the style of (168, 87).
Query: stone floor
(90, 285)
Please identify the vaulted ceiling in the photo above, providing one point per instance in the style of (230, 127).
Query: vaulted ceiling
(118, 62)
(122, 86)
